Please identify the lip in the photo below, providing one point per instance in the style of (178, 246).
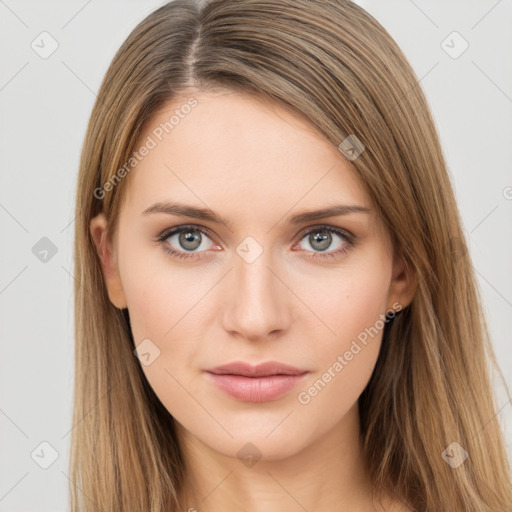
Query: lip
(260, 370)
(260, 383)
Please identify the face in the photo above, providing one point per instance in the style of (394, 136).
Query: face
(253, 281)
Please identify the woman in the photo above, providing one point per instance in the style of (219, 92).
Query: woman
(275, 307)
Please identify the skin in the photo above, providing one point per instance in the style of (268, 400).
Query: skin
(255, 164)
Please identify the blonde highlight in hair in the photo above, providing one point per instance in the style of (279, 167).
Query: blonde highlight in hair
(334, 64)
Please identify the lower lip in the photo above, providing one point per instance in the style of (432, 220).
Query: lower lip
(256, 389)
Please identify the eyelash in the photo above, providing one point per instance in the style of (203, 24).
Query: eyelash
(347, 237)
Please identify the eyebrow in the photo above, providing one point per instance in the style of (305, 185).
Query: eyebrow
(209, 215)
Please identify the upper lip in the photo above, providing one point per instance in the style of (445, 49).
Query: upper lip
(260, 370)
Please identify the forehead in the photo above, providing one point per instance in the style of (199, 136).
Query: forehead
(232, 148)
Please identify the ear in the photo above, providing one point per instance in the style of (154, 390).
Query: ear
(98, 228)
(403, 284)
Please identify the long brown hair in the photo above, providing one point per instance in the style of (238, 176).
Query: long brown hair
(337, 66)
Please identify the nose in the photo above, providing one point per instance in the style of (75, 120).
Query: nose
(258, 302)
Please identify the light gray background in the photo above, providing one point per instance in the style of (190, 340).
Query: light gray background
(44, 108)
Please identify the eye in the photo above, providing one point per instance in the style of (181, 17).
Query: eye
(192, 241)
(186, 239)
(321, 238)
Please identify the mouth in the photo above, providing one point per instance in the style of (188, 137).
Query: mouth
(261, 383)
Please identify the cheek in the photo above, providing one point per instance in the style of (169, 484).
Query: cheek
(166, 306)
(148, 303)
(158, 297)
(351, 303)
(161, 307)
(346, 351)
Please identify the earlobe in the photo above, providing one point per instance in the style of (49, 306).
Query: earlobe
(403, 284)
(98, 228)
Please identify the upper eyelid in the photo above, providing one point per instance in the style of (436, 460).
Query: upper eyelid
(182, 227)
(328, 227)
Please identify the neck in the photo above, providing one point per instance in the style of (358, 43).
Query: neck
(328, 474)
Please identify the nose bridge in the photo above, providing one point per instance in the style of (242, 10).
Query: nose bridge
(258, 303)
